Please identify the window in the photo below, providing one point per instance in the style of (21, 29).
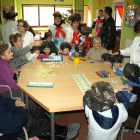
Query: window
(42, 15)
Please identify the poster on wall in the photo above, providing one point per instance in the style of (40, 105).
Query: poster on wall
(101, 3)
(81, 13)
(130, 17)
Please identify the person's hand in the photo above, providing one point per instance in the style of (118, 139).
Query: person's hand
(17, 71)
(50, 57)
(115, 90)
(36, 43)
(126, 88)
(87, 58)
(19, 103)
(114, 70)
(116, 53)
(77, 54)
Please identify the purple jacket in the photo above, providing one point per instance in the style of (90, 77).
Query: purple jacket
(6, 76)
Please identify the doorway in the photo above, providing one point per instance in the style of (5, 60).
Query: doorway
(117, 9)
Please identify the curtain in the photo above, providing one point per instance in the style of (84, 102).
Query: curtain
(120, 11)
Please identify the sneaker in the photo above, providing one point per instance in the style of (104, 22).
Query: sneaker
(71, 135)
(138, 130)
(73, 127)
(125, 130)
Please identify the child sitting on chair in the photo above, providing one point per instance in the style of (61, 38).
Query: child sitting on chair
(46, 45)
(130, 77)
(66, 47)
(48, 37)
(108, 59)
(81, 50)
(104, 115)
(118, 62)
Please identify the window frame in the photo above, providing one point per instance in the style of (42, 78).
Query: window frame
(39, 5)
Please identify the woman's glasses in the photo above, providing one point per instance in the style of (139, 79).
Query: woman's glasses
(20, 25)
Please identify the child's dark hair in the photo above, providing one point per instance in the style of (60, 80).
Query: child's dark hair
(47, 34)
(46, 44)
(100, 10)
(65, 45)
(100, 97)
(34, 48)
(137, 27)
(132, 72)
(118, 58)
(107, 57)
(85, 31)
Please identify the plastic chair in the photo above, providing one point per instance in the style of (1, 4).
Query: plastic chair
(25, 132)
(135, 129)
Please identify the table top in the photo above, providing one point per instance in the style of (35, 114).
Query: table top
(65, 94)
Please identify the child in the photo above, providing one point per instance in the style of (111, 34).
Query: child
(65, 47)
(84, 38)
(81, 50)
(131, 74)
(36, 54)
(117, 62)
(108, 59)
(48, 37)
(105, 118)
(98, 21)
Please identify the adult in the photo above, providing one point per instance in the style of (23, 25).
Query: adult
(7, 73)
(9, 27)
(108, 30)
(73, 31)
(14, 116)
(27, 36)
(95, 53)
(58, 29)
(134, 50)
(19, 54)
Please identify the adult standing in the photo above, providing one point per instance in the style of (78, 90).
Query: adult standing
(108, 30)
(134, 50)
(73, 31)
(9, 27)
(58, 29)
(27, 36)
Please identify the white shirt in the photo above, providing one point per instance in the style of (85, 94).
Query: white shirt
(133, 51)
(95, 132)
(7, 29)
(59, 40)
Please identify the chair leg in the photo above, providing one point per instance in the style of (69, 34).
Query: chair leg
(122, 133)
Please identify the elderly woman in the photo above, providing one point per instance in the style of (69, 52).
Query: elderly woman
(19, 53)
(73, 31)
(58, 29)
(97, 50)
(134, 50)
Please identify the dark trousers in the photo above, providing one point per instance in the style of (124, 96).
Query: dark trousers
(38, 122)
(131, 122)
(17, 93)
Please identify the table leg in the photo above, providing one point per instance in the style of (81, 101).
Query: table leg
(52, 126)
(27, 101)
(22, 96)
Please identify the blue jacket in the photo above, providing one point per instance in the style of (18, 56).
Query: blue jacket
(128, 94)
(12, 119)
(105, 122)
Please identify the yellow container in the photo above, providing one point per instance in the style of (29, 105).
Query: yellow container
(76, 60)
